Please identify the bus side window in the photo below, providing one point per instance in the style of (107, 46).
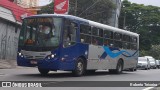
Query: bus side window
(133, 39)
(69, 37)
(126, 45)
(85, 29)
(85, 33)
(134, 46)
(97, 40)
(108, 38)
(133, 43)
(101, 32)
(118, 36)
(95, 31)
(85, 38)
(108, 34)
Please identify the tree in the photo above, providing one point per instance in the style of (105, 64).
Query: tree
(96, 10)
(155, 51)
(144, 20)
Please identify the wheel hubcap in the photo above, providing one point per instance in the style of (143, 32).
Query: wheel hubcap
(80, 67)
(120, 68)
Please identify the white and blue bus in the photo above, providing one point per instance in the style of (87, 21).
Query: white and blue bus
(54, 42)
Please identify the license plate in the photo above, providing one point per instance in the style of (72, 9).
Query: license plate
(33, 62)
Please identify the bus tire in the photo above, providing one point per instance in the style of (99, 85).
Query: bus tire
(43, 71)
(133, 69)
(80, 68)
(118, 69)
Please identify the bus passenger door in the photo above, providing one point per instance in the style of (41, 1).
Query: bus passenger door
(69, 50)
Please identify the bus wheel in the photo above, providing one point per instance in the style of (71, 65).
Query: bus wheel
(43, 71)
(133, 69)
(80, 68)
(118, 69)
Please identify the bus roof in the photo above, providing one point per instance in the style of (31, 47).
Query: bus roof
(91, 23)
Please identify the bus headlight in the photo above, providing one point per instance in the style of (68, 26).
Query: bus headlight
(51, 56)
(19, 53)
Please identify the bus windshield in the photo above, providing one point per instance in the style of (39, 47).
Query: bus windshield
(40, 34)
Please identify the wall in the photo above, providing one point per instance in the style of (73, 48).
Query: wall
(27, 3)
(8, 40)
(7, 14)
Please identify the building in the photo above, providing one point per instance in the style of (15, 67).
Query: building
(10, 23)
(27, 3)
(31, 5)
(113, 21)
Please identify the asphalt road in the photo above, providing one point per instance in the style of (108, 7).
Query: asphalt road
(32, 74)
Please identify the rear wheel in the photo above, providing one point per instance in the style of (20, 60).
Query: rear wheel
(133, 69)
(80, 68)
(118, 69)
(43, 71)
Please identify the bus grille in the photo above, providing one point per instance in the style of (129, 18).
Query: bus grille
(34, 57)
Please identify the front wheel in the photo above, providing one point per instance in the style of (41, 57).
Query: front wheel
(80, 68)
(43, 71)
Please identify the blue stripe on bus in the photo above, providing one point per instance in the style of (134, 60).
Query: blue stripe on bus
(109, 51)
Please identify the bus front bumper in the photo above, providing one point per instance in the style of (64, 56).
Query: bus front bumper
(45, 64)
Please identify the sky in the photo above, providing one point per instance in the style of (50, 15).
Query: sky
(147, 2)
(44, 2)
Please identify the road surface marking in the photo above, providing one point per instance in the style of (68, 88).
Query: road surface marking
(1, 74)
(149, 88)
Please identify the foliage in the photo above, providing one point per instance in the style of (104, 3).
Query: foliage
(155, 51)
(141, 19)
(96, 10)
(143, 53)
